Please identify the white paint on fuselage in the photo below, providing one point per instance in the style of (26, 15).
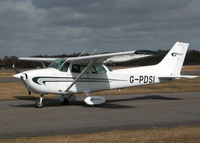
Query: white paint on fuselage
(56, 82)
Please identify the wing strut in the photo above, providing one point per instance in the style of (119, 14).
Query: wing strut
(43, 65)
(77, 78)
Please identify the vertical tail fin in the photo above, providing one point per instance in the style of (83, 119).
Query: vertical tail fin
(172, 63)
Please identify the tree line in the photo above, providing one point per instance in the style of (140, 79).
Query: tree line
(192, 58)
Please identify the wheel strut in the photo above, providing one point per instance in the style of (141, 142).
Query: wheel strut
(39, 103)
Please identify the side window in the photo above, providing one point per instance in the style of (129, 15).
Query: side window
(64, 67)
(110, 69)
(75, 68)
(98, 69)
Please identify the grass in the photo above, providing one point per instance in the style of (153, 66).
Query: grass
(183, 134)
(9, 72)
(191, 68)
(6, 73)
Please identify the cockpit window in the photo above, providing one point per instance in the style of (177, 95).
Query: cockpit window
(64, 67)
(59, 64)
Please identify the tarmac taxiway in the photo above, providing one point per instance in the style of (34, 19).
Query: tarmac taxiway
(19, 118)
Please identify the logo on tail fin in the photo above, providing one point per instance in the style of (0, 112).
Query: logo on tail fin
(173, 54)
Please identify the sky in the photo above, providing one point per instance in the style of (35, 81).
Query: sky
(51, 27)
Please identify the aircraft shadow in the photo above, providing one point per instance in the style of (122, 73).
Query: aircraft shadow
(56, 103)
(108, 105)
(148, 97)
(28, 98)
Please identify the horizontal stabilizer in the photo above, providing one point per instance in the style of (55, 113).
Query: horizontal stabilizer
(178, 77)
(188, 76)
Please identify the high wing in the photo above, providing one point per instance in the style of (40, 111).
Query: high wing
(110, 57)
(101, 58)
(37, 59)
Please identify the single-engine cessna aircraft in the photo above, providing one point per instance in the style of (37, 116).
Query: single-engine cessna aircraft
(86, 74)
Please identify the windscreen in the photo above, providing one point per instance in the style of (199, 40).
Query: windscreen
(57, 64)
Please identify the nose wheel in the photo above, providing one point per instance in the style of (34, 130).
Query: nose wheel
(39, 103)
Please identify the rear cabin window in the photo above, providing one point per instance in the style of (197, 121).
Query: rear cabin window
(98, 69)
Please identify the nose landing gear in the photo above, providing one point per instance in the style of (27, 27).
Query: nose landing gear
(64, 99)
(39, 103)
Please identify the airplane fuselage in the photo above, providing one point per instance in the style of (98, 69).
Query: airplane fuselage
(45, 81)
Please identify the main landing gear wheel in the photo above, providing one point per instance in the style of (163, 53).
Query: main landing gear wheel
(39, 103)
(66, 99)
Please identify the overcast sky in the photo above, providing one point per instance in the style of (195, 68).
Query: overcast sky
(32, 27)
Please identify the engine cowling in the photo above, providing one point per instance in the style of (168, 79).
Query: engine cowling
(94, 100)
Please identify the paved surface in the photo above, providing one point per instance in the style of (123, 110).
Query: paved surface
(8, 79)
(20, 118)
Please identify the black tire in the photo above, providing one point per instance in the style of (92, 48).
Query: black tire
(38, 104)
(92, 105)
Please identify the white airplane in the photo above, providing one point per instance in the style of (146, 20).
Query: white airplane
(85, 74)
